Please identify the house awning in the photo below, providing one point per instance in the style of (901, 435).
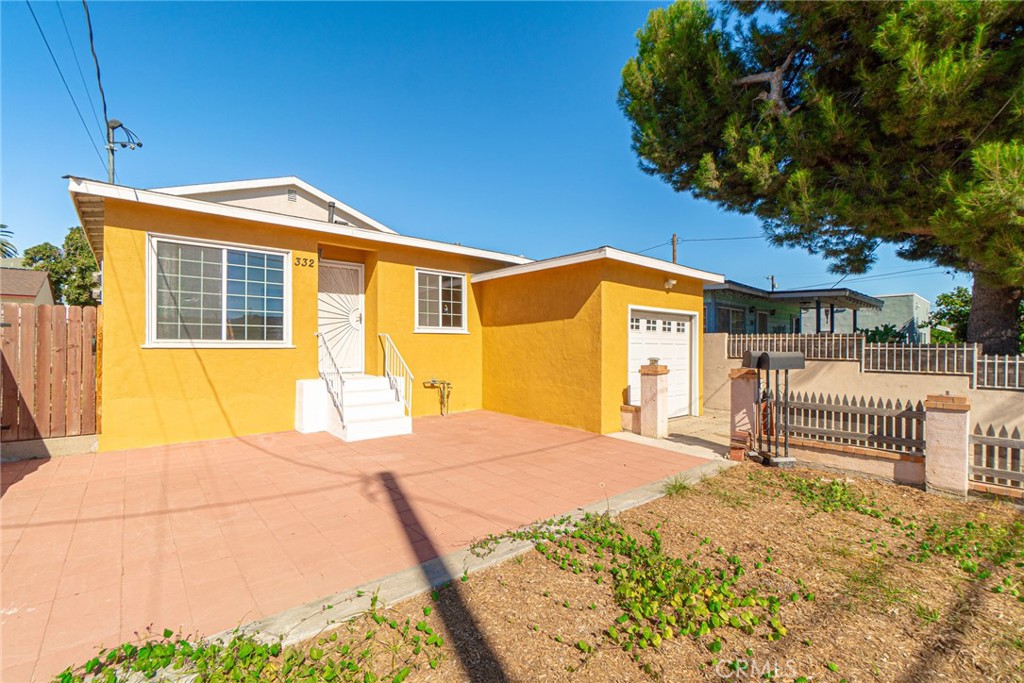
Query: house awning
(804, 298)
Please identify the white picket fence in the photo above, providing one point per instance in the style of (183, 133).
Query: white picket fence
(997, 459)
(881, 424)
(1000, 372)
(813, 346)
(986, 372)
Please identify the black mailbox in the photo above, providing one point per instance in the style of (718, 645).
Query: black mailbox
(773, 360)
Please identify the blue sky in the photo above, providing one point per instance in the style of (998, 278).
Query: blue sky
(493, 125)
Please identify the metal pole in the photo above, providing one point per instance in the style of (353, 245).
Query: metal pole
(760, 414)
(786, 414)
(110, 154)
(775, 453)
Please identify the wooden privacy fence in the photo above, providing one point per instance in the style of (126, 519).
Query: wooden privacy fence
(49, 371)
(996, 460)
(896, 427)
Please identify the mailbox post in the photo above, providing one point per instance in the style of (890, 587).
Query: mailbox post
(769, 420)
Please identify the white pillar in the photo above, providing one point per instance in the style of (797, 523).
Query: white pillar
(947, 444)
(654, 401)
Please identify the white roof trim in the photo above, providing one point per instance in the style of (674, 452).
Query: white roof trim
(100, 189)
(257, 183)
(601, 253)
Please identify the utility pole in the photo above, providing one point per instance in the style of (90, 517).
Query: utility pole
(675, 243)
(771, 279)
(110, 149)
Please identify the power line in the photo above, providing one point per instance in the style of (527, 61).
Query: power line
(96, 61)
(879, 276)
(78, 65)
(65, 82)
(663, 244)
(722, 239)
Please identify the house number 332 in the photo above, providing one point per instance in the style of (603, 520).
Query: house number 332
(304, 262)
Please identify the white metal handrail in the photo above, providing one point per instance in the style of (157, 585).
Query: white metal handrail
(332, 376)
(397, 372)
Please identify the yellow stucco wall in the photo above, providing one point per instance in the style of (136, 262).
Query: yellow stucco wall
(390, 308)
(556, 341)
(550, 345)
(542, 339)
(624, 285)
(159, 396)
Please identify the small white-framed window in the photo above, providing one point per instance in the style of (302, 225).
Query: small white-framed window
(652, 325)
(666, 325)
(440, 301)
(203, 293)
(680, 327)
(634, 323)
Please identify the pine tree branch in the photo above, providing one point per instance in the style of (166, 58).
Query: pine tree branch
(774, 80)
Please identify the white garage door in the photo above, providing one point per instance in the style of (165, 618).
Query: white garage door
(665, 336)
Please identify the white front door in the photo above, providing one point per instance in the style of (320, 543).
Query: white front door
(340, 314)
(666, 336)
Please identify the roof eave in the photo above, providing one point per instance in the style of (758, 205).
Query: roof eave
(596, 254)
(96, 189)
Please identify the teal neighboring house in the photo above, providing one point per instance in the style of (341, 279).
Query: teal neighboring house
(737, 308)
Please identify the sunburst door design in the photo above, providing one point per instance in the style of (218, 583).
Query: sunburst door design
(341, 314)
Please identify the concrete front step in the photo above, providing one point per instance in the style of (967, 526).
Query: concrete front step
(370, 409)
(374, 429)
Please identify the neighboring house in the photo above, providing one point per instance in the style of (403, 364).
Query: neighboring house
(908, 313)
(228, 307)
(737, 308)
(25, 286)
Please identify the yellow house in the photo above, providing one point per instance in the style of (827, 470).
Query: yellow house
(257, 306)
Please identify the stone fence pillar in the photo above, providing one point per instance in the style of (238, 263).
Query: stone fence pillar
(947, 447)
(742, 412)
(654, 401)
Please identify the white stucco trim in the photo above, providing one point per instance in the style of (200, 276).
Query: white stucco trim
(261, 183)
(596, 254)
(94, 188)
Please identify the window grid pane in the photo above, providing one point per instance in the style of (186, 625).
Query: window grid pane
(439, 300)
(188, 292)
(193, 289)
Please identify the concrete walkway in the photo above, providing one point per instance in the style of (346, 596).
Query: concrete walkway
(203, 537)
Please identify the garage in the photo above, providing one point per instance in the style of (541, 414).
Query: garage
(668, 336)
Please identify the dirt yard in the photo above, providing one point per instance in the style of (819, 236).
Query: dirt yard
(871, 582)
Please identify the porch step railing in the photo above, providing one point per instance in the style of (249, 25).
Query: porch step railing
(397, 372)
(332, 376)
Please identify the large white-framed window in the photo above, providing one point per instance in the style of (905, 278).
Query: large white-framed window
(440, 302)
(202, 293)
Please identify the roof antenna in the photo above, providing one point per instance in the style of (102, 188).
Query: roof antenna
(131, 141)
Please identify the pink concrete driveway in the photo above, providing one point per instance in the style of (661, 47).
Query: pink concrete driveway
(205, 536)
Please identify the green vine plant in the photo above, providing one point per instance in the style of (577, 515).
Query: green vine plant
(387, 651)
(979, 548)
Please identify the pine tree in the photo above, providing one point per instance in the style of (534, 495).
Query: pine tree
(846, 125)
